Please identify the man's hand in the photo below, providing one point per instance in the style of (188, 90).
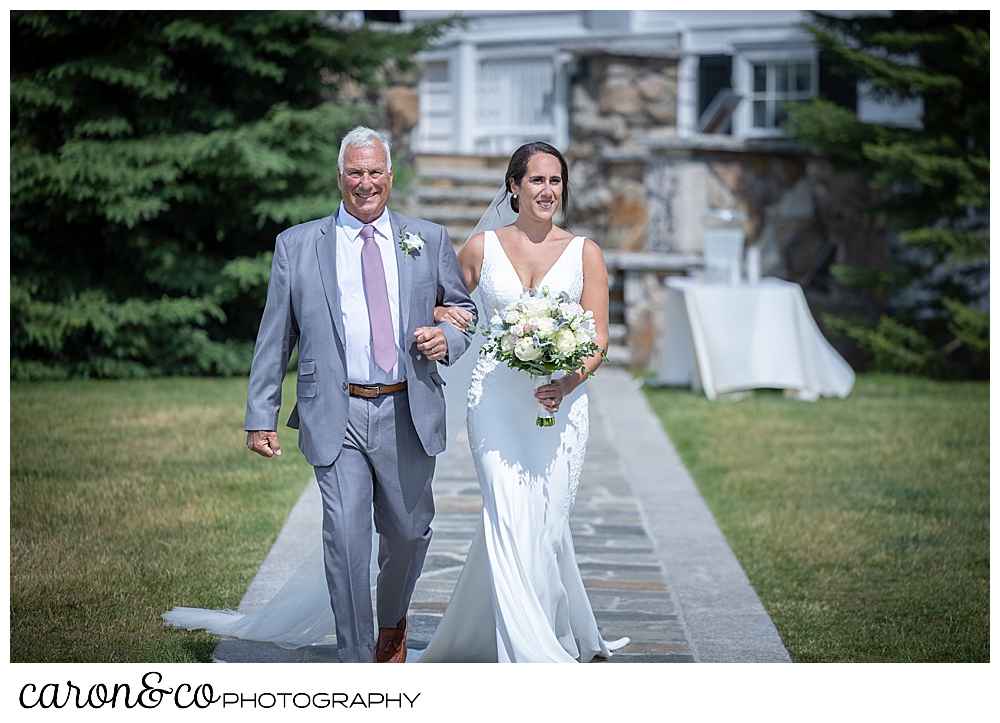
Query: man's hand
(431, 342)
(264, 443)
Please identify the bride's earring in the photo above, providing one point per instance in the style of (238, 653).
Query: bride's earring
(515, 204)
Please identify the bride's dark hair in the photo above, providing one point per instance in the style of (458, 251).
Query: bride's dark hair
(518, 166)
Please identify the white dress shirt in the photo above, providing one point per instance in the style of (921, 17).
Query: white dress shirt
(361, 367)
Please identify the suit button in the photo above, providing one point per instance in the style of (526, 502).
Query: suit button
(345, 385)
(419, 356)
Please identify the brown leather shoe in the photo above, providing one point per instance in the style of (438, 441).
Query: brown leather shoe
(391, 645)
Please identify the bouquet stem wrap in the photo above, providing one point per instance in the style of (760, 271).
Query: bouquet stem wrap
(545, 418)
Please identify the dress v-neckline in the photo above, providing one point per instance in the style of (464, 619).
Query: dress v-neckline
(514, 268)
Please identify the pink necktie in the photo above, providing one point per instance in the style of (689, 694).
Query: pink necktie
(383, 343)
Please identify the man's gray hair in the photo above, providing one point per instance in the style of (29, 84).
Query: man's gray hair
(362, 137)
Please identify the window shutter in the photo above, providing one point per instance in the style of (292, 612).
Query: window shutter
(715, 72)
(382, 16)
(836, 88)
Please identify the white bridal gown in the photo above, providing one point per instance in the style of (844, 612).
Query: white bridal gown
(520, 597)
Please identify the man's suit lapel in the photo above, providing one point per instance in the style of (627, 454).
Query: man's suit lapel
(326, 258)
(404, 277)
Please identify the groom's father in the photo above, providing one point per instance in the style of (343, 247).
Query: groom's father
(357, 292)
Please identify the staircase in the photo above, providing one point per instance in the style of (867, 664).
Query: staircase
(454, 191)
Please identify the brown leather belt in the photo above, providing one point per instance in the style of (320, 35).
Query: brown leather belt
(357, 390)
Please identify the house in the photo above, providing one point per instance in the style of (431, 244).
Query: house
(666, 117)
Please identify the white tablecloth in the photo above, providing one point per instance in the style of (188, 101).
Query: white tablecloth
(721, 338)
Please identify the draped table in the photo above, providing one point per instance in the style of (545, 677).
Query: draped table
(722, 338)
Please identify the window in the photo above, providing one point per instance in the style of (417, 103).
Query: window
(776, 82)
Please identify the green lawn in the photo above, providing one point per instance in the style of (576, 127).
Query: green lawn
(127, 498)
(863, 523)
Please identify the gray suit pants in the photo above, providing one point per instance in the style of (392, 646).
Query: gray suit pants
(382, 463)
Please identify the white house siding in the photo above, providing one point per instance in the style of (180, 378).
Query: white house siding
(506, 56)
(435, 130)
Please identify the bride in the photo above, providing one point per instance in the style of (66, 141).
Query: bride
(520, 596)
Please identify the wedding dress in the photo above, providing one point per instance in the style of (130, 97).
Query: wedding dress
(520, 597)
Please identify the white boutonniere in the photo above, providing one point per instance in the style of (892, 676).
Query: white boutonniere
(411, 243)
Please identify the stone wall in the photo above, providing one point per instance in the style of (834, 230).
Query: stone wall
(617, 102)
(799, 214)
(620, 99)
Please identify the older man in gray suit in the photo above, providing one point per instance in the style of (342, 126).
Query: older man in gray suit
(357, 292)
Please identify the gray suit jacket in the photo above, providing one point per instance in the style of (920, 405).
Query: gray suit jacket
(303, 306)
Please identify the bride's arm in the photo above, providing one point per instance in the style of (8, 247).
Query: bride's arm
(470, 258)
(594, 298)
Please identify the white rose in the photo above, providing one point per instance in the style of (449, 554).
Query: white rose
(535, 306)
(526, 350)
(566, 342)
(582, 336)
(569, 309)
(507, 343)
(511, 316)
(545, 326)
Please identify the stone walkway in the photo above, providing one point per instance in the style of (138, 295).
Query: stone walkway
(655, 565)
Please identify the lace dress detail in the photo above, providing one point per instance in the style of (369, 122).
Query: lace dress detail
(579, 418)
(520, 597)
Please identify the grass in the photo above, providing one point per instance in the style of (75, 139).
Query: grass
(863, 523)
(127, 498)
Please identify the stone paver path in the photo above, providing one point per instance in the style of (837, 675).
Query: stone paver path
(654, 563)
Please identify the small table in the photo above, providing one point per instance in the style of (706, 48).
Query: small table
(721, 338)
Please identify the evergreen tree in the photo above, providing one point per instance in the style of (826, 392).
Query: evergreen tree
(936, 180)
(154, 157)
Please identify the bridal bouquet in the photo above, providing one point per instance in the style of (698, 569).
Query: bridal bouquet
(541, 334)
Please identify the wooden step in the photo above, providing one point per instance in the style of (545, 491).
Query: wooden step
(446, 214)
(465, 195)
(422, 161)
(490, 178)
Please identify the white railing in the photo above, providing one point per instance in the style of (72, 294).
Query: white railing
(515, 99)
(490, 106)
